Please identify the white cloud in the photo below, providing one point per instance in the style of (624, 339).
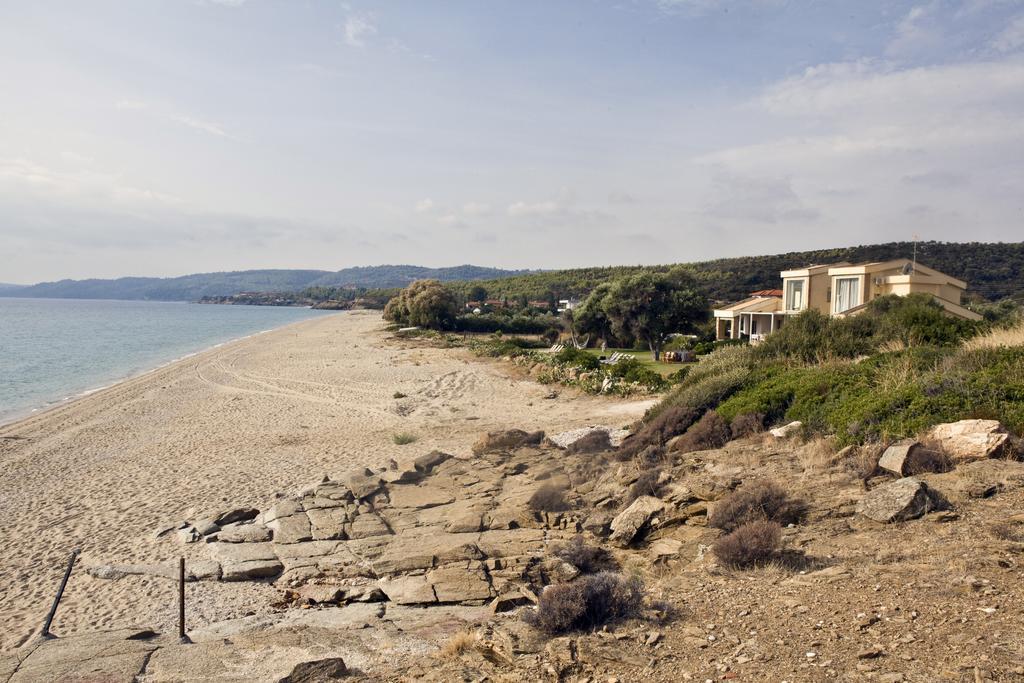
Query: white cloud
(424, 205)
(533, 209)
(199, 124)
(918, 31)
(477, 209)
(1012, 37)
(131, 105)
(358, 29)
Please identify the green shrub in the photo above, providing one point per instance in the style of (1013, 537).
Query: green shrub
(710, 381)
(404, 438)
(578, 358)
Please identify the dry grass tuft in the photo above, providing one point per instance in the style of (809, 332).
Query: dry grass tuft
(588, 559)
(750, 545)
(816, 455)
(645, 485)
(998, 338)
(404, 438)
(458, 644)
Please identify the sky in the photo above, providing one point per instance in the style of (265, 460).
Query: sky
(165, 137)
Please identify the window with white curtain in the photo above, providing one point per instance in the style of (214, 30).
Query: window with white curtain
(847, 293)
(794, 295)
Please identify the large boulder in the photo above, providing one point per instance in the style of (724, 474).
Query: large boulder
(362, 483)
(898, 455)
(506, 440)
(425, 463)
(971, 439)
(629, 523)
(901, 500)
(786, 431)
(317, 671)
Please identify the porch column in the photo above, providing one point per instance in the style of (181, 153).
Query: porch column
(734, 327)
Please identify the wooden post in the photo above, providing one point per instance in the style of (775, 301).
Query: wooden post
(182, 638)
(60, 593)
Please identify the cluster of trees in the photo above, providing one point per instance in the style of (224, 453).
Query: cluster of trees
(424, 303)
(646, 306)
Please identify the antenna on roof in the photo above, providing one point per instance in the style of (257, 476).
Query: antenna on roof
(916, 238)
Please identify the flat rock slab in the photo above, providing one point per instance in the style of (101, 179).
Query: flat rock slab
(419, 497)
(245, 561)
(295, 528)
(408, 590)
(244, 533)
(103, 656)
(901, 500)
(362, 483)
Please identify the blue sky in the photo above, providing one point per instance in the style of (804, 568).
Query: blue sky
(162, 137)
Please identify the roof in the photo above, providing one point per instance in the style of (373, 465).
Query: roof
(767, 292)
(754, 304)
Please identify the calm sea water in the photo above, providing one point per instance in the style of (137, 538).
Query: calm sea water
(54, 349)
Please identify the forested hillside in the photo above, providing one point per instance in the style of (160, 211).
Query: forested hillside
(992, 270)
(195, 287)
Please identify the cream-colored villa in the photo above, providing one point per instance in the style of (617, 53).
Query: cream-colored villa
(839, 289)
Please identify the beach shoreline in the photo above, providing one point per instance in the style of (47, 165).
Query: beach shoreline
(237, 422)
(38, 411)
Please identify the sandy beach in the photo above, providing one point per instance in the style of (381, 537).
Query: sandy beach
(237, 423)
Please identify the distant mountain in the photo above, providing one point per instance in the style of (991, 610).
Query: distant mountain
(194, 287)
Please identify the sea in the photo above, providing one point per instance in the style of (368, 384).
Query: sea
(54, 350)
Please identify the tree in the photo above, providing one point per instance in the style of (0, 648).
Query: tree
(477, 293)
(591, 316)
(650, 306)
(425, 303)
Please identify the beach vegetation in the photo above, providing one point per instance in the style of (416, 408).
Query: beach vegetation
(404, 438)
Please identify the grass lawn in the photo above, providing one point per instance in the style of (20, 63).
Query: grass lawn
(646, 358)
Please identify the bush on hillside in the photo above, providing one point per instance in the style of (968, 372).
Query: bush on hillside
(756, 501)
(668, 423)
(709, 382)
(587, 603)
(750, 545)
(747, 424)
(711, 431)
(647, 484)
(579, 358)
(589, 559)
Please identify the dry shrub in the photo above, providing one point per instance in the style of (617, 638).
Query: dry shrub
(588, 602)
(750, 545)
(549, 498)
(594, 442)
(459, 642)
(1005, 531)
(757, 501)
(588, 559)
(747, 424)
(645, 485)
(711, 431)
(670, 422)
(865, 464)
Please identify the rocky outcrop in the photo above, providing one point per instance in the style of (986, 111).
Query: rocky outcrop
(506, 440)
(971, 439)
(901, 500)
(317, 671)
(630, 523)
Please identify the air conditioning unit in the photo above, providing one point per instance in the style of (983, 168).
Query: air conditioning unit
(878, 281)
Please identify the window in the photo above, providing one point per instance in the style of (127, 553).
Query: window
(794, 295)
(847, 293)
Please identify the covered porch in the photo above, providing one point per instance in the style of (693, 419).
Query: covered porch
(752, 319)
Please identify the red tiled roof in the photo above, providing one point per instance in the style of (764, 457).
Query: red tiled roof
(767, 292)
